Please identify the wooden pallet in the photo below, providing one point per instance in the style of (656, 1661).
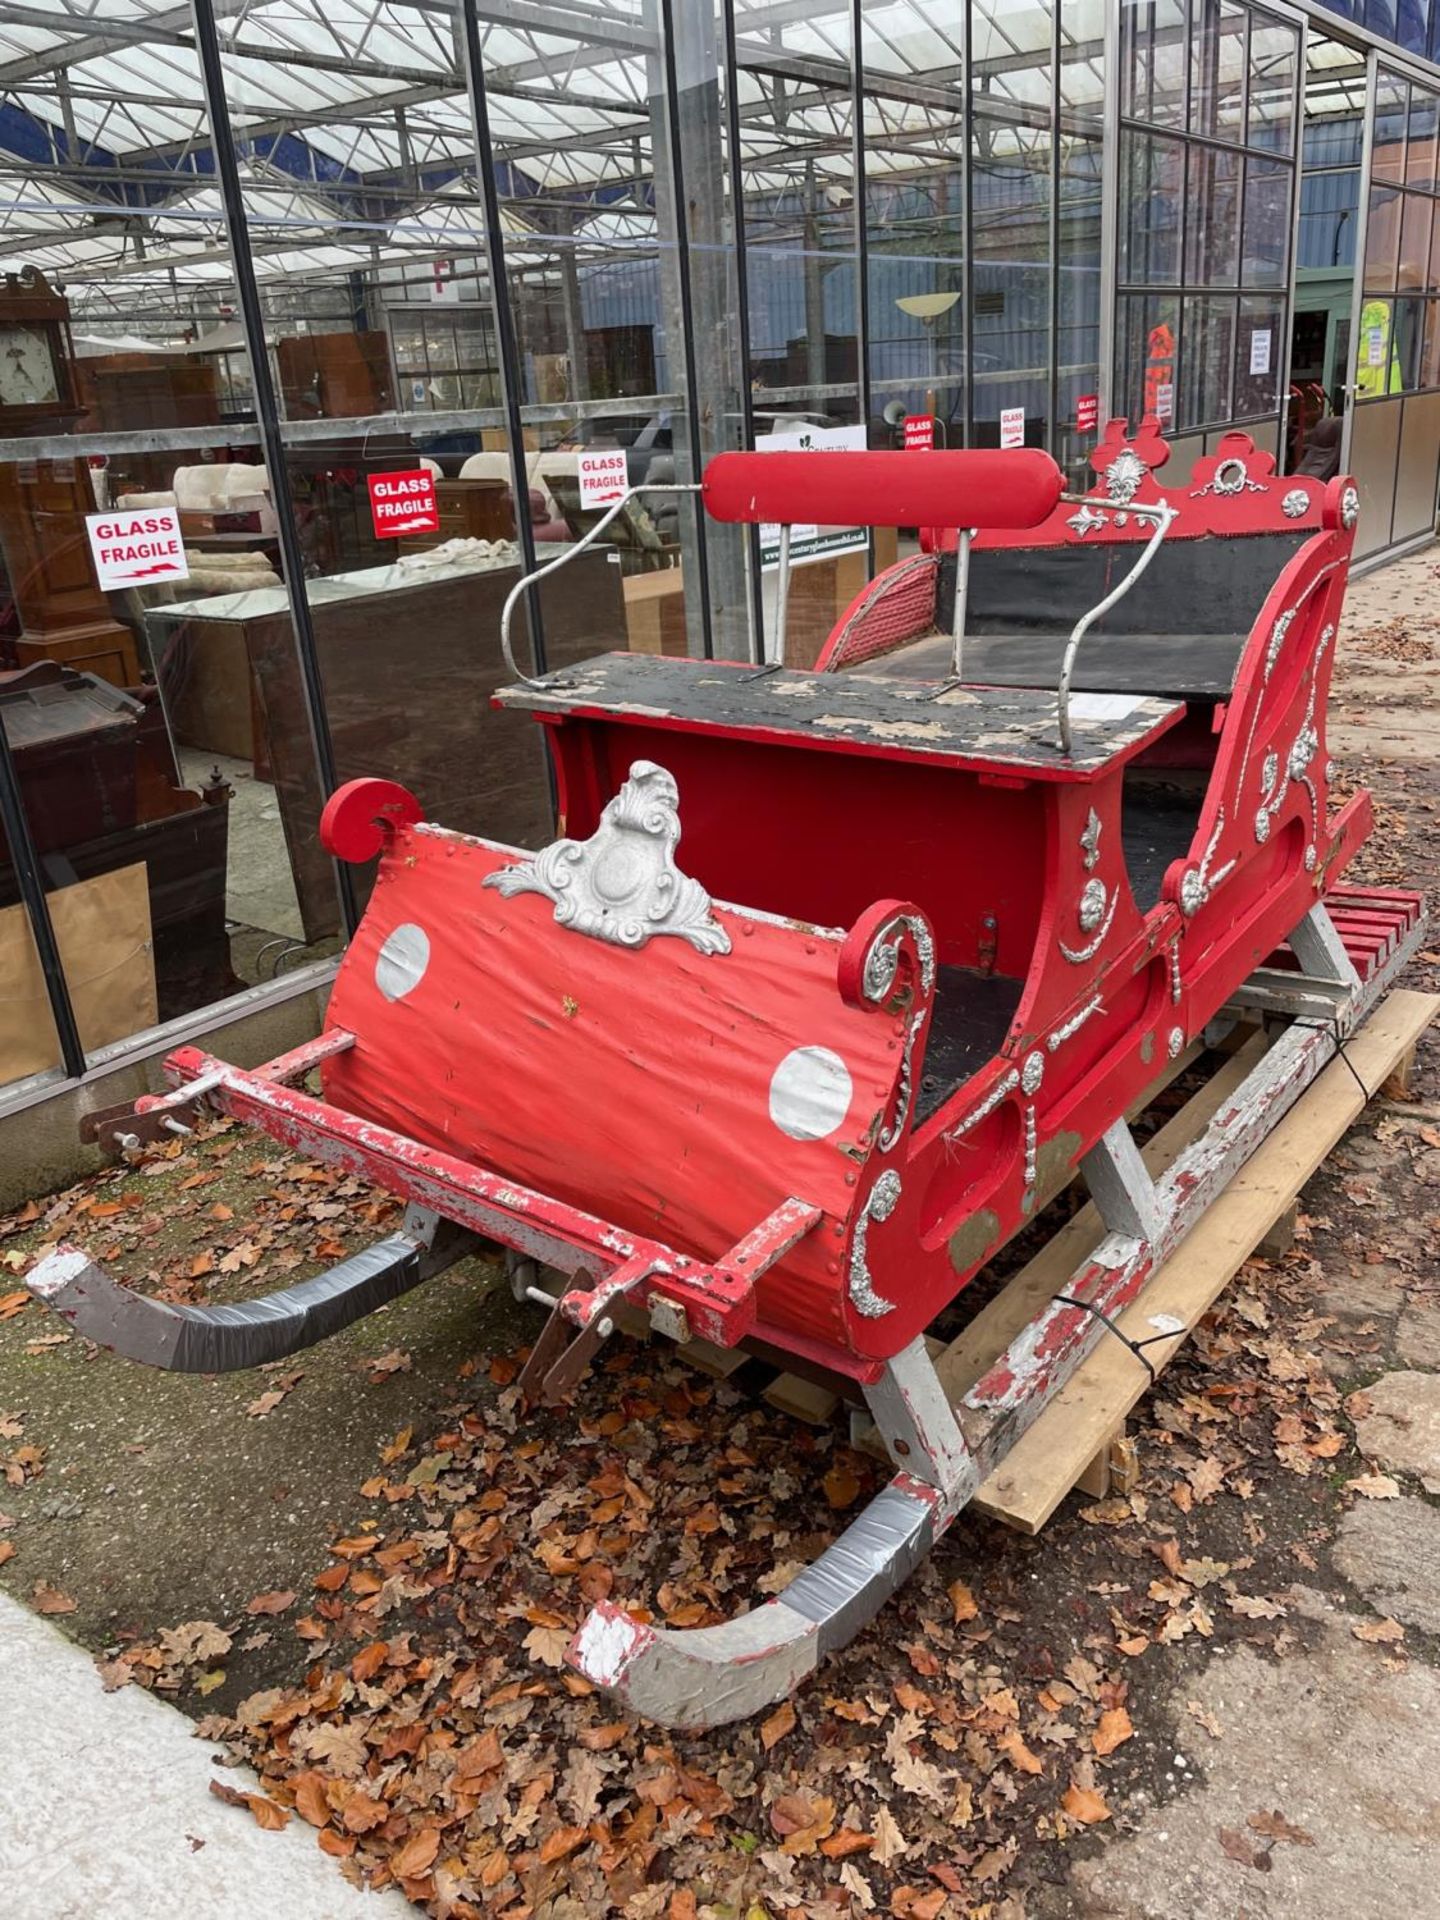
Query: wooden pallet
(1079, 1442)
(1087, 1416)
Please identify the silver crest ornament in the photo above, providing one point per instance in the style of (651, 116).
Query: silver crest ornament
(622, 884)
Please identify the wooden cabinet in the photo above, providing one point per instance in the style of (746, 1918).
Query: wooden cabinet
(63, 614)
(469, 510)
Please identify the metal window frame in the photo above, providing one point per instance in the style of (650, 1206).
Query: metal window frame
(735, 168)
(687, 316)
(272, 440)
(1297, 18)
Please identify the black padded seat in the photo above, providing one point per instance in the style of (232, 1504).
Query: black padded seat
(1177, 666)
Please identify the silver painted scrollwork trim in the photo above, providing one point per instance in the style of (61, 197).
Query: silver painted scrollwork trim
(1232, 476)
(1077, 956)
(882, 959)
(1090, 841)
(881, 1202)
(1125, 476)
(622, 884)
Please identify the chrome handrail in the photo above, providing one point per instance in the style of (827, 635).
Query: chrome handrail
(553, 566)
(1164, 516)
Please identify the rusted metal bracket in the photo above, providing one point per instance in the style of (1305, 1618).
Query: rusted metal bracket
(719, 1297)
(140, 1123)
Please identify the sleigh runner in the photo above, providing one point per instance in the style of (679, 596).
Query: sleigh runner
(789, 1081)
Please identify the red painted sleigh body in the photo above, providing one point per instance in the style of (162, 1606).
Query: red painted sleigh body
(834, 978)
(648, 1089)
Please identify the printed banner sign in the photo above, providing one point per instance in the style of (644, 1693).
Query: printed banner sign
(604, 475)
(1087, 413)
(811, 542)
(919, 432)
(136, 549)
(1012, 426)
(402, 503)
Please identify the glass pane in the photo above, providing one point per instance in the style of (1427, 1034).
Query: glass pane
(1154, 40)
(1420, 154)
(1207, 362)
(1430, 350)
(1329, 204)
(1217, 69)
(1391, 107)
(915, 231)
(130, 397)
(1010, 280)
(1409, 321)
(1257, 355)
(1377, 367)
(1274, 59)
(1077, 347)
(1382, 238)
(1153, 173)
(1267, 222)
(1145, 356)
(1082, 62)
(29, 1045)
(1413, 268)
(1011, 52)
(1212, 229)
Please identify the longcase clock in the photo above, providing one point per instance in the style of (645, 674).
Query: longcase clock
(43, 502)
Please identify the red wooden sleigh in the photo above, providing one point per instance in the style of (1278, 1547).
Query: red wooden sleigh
(792, 1080)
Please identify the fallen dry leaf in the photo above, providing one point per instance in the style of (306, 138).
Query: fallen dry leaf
(547, 1645)
(1240, 1848)
(781, 1722)
(368, 1662)
(1017, 1753)
(415, 1859)
(50, 1599)
(962, 1602)
(1085, 1805)
(1374, 1486)
(1385, 1632)
(1274, 1826)
(1113, 1731)
(278, 1602)
(310, 1800)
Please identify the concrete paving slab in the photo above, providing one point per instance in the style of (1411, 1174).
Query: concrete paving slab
(1336, 1740)
(1390, 1550)
(1402, 1429)
(1417, 1337)
(106, 1812)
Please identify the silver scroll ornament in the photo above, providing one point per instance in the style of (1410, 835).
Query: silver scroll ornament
(622, 884)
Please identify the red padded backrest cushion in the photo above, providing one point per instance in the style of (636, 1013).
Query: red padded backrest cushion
(980, 488)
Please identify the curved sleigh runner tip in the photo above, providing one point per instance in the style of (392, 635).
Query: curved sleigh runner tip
(251, 1333)
(701, 1677)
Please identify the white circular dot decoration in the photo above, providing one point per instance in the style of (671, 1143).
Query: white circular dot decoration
(400, 964)
(810, 1093)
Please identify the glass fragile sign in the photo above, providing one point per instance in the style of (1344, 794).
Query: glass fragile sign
(402, 503)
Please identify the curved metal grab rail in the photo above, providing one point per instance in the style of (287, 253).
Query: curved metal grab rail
(1163, 515)
(553, 566)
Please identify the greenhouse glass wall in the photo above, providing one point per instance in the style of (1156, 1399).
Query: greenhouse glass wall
(315, 312)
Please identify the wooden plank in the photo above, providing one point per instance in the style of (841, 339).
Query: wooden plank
(803, 1400)
(979, 1345)
(1037, 1473)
